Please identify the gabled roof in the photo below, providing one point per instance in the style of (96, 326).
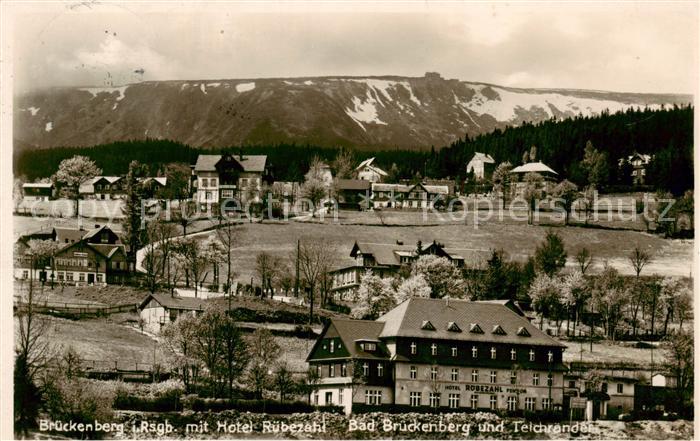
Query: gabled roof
(533, 167)
(407, 318)
(384, 254)
(250, 163)
(72, 234)
(160, 180)
(175, 302)
(107, 250)
(353, 331)
(436, 189)
(396, 188)
(352, 184)
(368, 163)
(483, 157)
(110, 179)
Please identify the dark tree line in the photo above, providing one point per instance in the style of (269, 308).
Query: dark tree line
(667, 134)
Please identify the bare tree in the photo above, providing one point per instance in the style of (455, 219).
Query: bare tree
(267, 267)
(584, 259)
(639, 259)
(314, 258)
(228, 236)
(283, 380)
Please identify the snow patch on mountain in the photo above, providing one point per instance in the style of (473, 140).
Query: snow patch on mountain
(213, 84)
(49, 126)
(203, 88)
(364, 111)
(33, 110)
(384, 86)
(244, 87)
(94, 91)
(309, 83)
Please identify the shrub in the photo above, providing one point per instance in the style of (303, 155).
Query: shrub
(79, 400)
(256, 406)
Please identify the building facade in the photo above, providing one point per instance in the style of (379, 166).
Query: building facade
(38, 191)
(159, 310)
(220, 177)
(367, 171)
(417, 196)
(439, 353)
(481, 166)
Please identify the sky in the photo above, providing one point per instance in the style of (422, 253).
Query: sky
(626, 47)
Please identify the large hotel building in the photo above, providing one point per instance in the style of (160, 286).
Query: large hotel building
(441, 353)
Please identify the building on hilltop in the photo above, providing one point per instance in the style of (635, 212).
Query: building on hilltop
(219, 177)
(92, 257)
(438, 353)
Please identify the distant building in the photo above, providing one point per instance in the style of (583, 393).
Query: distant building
(94, 256)
(367, 171)
(104, 188)
(549, 176)
(384, 260)
(38, 191)
(442, 354)
(218, 177)
(481, 165)
(613, 396)
(353, 193)
(419, 196)
(326, 174)
(639, 164)
(159, 310)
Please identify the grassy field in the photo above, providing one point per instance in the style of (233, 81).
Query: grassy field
(608, 352)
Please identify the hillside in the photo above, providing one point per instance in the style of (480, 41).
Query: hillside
(367, 112)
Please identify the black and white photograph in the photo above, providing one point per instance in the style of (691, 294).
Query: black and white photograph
(348, 220)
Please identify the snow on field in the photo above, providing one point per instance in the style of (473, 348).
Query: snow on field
(504, 107)
(33, 110)
(203, 88)
(364, 111)
(49, 126)
(309, 83)
(213, 84)
(94, 91)
(184, 85)
(244, 87)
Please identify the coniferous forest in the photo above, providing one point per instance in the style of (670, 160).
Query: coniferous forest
(667, 134)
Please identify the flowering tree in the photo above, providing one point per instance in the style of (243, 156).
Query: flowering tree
(546, 300)
(414, 286)
(375, 297)
(442, 276)
(74, 172)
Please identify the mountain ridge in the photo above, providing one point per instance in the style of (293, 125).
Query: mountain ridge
(370, 112)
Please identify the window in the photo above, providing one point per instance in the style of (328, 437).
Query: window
(475, 375)
(455, 374)
(373, 397)
(316, 398)
(433, 373)
(415, 399)
(344, 370)
(474, 401)
(81, 277)
(227, 194)
(69, 276)
(331, 370)
(433, 349)
(493, 353)
(549, 379)
(454, 351)
(513, 354)
(530, 403)
(329, 398)
(25, 274)
(332, 347)
(212, 182)
(434, 399)
(474, 351)
(512, 403)
(546, 403)
(369, 347)
(61, 275)
(604, 387)
(513, 377)
(380, 370)
(532, 355)
(493, 377)
(207, 195)
(620, 388)
(318, 371)
(99, 278)
(413, 348)
(572, 384)
(340, 396)
(453, 401)
(365, 369)
(493, 402)
(535, 379)
(550, 356)
(412, 372)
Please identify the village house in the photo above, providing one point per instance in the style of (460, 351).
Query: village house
(353, 193)
(367, 171)
(220, 177)
(481, 166)
(438, 353)
(159, 310)
(612, 396)
(37, 191)
(104, 188)
(384, 260)
(418, 196)
(549, 177)
(94, 256)
(638, 163)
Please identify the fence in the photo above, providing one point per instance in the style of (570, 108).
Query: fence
(79, 309)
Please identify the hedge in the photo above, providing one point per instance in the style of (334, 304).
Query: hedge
(257, 406)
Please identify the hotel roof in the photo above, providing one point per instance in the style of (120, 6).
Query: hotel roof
(250, 163)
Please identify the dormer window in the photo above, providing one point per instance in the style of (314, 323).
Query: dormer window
(427, 326)
(414, 348)
(493, 353)
(368, 346)
(523, 332)
(452, 327)
(475, 328)
(498, 330)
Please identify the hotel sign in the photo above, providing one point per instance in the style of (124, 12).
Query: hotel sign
(487, 388)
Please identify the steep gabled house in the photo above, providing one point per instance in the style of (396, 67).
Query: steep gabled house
(367, 171)
(159, 310)
(221, 177)
(481, 165)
